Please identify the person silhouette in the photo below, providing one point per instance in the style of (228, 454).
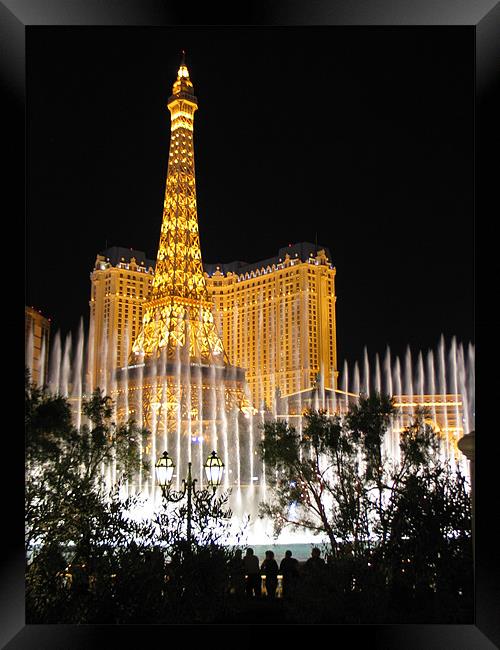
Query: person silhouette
(237, 574)
(315, 564)
(289, 568)
(252, 571)
(270, 568)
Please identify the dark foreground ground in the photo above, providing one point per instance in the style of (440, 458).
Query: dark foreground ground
(255, 610)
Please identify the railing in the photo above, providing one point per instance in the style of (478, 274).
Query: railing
(279, 589)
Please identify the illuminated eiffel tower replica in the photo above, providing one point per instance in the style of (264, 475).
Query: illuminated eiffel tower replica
(178, 381)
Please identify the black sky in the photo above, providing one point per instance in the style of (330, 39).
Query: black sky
(362, 137)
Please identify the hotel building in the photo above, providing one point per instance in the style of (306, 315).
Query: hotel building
(276, 317)
(120, 284)
(277, 320)
(36, 344)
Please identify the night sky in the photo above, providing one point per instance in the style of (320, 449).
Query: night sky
(359, 137)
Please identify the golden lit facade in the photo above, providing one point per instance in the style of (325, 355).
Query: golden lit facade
(277, 320)
(178, 314)
(36, 344)
(120, 285)
(445, 411)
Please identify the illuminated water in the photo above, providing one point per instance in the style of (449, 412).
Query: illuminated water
(300, 552)
(447, 370)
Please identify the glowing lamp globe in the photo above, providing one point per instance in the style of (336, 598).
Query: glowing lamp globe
(164, 470)
(213, 469)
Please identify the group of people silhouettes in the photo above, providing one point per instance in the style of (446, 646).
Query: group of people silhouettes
(246, 572)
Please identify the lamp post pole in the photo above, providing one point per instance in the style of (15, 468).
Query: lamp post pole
(190, 486)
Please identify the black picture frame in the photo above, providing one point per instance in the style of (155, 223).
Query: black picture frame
(484, 17)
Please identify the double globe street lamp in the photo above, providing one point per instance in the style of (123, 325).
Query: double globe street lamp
(214, 468)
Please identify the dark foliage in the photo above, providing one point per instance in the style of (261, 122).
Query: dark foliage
(400, 543)
(87, 560)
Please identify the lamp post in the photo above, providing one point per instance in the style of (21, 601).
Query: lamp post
(214, 468)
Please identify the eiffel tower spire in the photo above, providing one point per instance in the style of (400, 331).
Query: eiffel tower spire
(178, 313)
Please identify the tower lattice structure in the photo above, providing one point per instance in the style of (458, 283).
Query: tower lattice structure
(178, 379)
(178, 317)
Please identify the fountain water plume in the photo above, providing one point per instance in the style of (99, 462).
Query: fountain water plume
(388, 372)
(442, 381)
(66, 367)
(431, 388)
(443, 386)
(355, 385)
(408, 379)
(378, 377)
(366, 373)
(55, 365)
